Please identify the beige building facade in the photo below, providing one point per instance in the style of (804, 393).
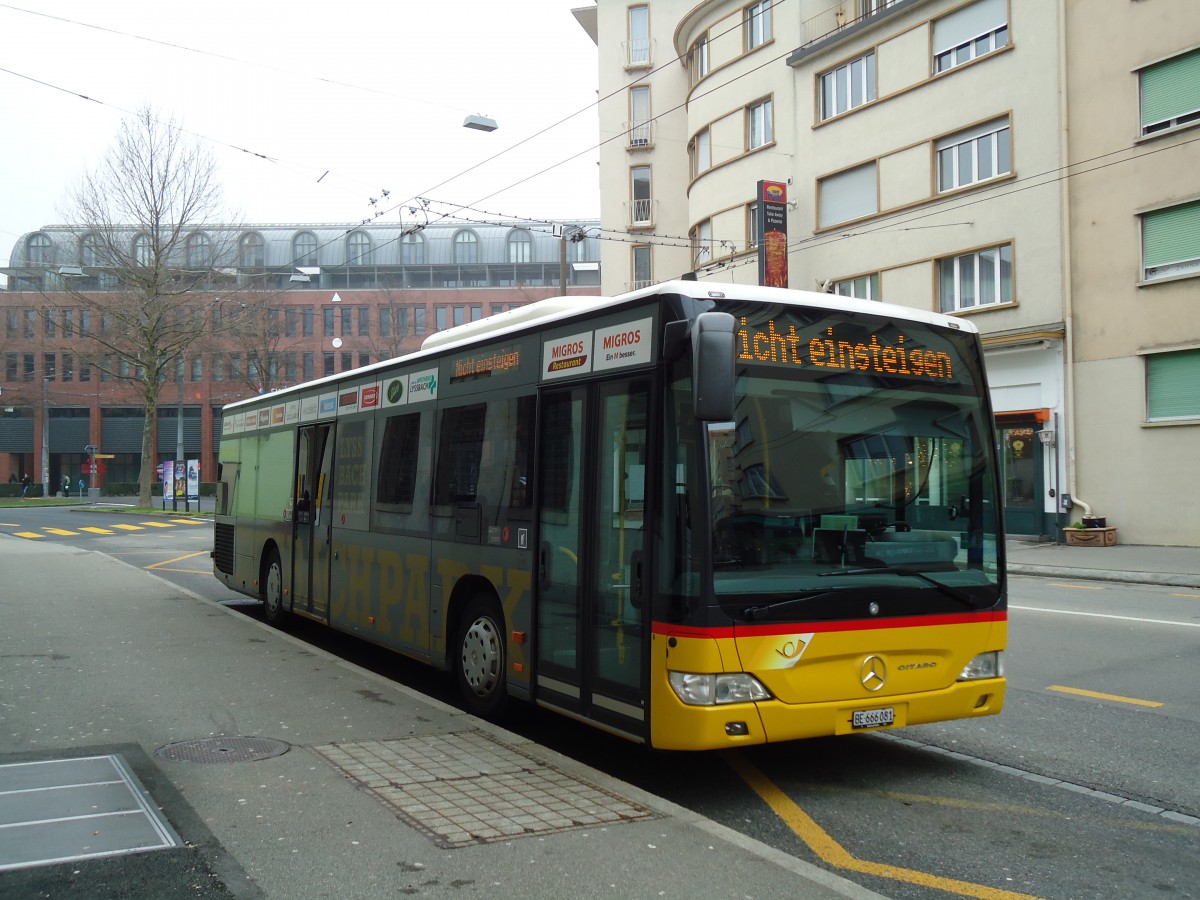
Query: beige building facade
(985, 159)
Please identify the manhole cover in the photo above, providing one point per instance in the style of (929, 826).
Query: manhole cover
(222, 750)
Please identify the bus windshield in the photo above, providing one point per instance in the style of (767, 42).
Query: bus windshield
(860, 462)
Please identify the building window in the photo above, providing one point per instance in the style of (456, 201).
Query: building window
(975, 155)
(863, 287)
(68, 367)
(328, 361)
(758, 24)
(309, 368)
(760, 128)
(412, 250)
(752, 225)
(982, 278)
(698, 60)
(1171, 241)
(358, 248)
(143, 251)
(39, 250)
(848, 195)
(638, 48)
(1173, 385)
(639, 116)
(520, 246)
(639, 195)
(50, 323)
(327, 313)
(197, 368)
(466, 247)
(252, 251)
(848, 86)
(307, 321)
(197, 252)
(1170, 93)
(701, 240)
(347, 321)
(91, 250)
(642, 266)
(304, 249)
(969, 32)
(700, 153)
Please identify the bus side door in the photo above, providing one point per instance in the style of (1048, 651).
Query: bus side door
(312, 521)
(592, 622)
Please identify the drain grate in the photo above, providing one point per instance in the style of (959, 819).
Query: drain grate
(208, 751)
(468, 788)
(64, 810)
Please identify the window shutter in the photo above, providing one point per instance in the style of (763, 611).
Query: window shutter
(1171, 235)
(1171, 88)
(1173, 385)
(968, 23)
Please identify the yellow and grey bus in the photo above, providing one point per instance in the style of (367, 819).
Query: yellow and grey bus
(695, 516)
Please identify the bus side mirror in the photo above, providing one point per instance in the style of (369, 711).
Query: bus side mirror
(712, 367)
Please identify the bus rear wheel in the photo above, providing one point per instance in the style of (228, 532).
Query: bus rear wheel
(272, 589)
(479, 657)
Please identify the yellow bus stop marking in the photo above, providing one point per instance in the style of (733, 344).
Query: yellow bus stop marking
(28, 534)
(834, 854)
(61, 531)
(94, 530)
(157, 524)
(167, 562)
(1098, 696)
(128, 527)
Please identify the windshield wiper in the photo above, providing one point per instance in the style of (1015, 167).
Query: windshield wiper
(948, 589)
(758, 612)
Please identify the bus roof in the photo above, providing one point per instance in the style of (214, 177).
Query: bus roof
(554, 309)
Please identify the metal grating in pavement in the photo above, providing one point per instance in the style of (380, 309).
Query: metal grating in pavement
(63, 810)
(467, 787)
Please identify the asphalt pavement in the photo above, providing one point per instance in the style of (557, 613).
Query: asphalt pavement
(155, 744)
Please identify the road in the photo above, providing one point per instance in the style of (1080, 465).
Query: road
(1085, 787)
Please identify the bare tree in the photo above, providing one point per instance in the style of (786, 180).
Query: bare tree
(145, 219)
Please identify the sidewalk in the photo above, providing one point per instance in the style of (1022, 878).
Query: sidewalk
(284, 772)
(1177, 566)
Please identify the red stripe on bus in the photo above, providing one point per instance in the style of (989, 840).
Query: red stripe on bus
(791, 627)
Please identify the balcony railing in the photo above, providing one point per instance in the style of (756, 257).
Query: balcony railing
(841, 17)
(639, 135)
(641, 213)
(639, 54)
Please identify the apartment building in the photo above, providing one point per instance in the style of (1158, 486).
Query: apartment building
(987, 159)
(284, 304)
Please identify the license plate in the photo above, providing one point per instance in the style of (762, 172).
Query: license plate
(873, 718)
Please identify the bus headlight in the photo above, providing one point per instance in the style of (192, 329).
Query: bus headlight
(716, 690)
(985, 665)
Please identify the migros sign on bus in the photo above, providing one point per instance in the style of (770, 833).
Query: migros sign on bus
(614, 347)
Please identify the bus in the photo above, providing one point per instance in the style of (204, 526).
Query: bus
(694, 516)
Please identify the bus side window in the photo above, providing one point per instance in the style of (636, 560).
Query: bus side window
(460, 450)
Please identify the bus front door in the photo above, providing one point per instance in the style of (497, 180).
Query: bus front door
(592, 622)
(311, 522)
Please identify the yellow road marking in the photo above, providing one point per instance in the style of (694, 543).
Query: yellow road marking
(28, 534)
(94, 530)
(61, 531)
(1185, 595)
(158, 524)
(834, 854)
(124, 527)
(10, 524)
(1098, 696)
(1079, 587)
(167, 562)
(193, 521)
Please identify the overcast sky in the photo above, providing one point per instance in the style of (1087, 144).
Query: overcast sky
(311, 109)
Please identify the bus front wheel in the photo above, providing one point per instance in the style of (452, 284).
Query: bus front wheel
(272, 589)
(479, 657)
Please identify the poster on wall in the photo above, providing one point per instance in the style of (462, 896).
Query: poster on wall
(772, 234)
(193, 479)
(168, 477)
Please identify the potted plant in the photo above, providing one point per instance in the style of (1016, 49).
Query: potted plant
(1092, 531)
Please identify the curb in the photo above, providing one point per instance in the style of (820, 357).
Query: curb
(1159, 578)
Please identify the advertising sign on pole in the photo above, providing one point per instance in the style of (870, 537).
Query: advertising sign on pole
(168, 479)
(193, 479)
(772, 234)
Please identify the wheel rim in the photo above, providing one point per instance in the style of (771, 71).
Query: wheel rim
(274, 587)
(481, 656)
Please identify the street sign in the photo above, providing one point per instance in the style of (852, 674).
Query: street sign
(105, 455)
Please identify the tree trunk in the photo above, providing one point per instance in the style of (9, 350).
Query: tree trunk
(149, 445)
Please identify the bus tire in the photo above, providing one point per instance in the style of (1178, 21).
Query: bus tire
(479, 657)
(272, 589)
